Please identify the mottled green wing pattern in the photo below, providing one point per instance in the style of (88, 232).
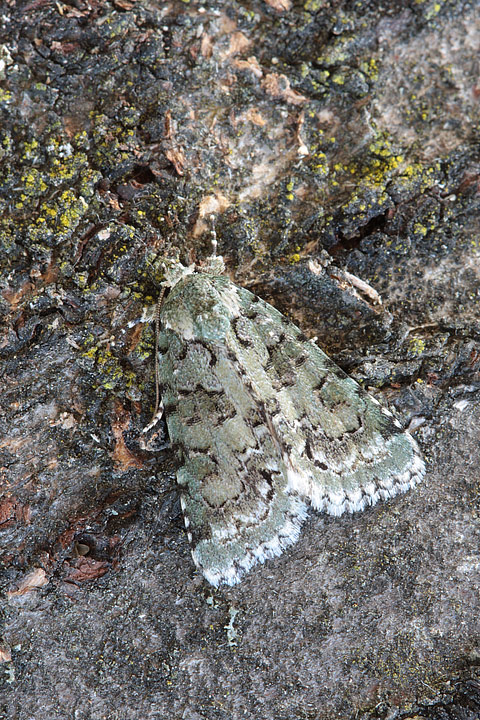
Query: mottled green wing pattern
(265, 424)
(342, 449)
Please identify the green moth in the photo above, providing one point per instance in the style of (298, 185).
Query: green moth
(265, 425)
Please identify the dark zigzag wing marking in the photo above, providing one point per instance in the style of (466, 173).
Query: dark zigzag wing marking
(261, 416)
(342, 450)
(236, 506)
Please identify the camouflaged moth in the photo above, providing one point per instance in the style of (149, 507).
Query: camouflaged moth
(265, 425)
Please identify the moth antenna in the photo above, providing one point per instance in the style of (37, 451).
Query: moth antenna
(213, 234)
(157, 333)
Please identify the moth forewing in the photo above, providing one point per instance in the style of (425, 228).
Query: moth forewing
(265, 424)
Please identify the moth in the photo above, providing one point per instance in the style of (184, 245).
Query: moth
(265, 424)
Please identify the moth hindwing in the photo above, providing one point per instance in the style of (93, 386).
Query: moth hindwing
(266, 424)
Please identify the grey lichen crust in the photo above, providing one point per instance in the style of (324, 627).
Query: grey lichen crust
(266, 424)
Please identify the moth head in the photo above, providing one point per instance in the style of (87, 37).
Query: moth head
(200, 306)
(175, 272)
(213, 265)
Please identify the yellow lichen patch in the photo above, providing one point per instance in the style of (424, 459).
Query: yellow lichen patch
(420, 229)
(109, 371)
(30, 149)
(416, 346)
(370, 69)
(33, 182)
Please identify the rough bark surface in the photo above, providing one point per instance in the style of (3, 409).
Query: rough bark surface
(334, 141)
